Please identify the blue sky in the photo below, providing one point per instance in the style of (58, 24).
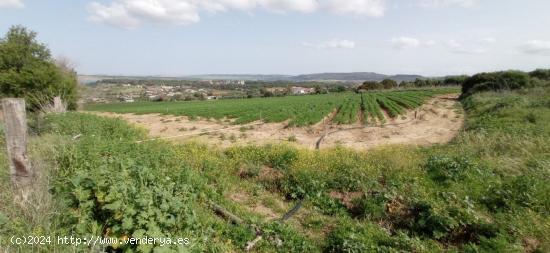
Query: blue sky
(183, 37)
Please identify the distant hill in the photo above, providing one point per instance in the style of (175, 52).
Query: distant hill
(354, 76)
(239, 77)
(350, 77)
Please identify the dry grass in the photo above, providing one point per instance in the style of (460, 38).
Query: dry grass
(33, 214)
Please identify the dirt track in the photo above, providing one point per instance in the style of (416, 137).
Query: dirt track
(437, 121)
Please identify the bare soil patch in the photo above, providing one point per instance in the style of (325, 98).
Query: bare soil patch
(437, 121)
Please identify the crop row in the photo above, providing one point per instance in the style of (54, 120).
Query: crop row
(297, 110)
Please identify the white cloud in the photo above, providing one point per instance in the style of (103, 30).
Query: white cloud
(132, 13)
(457, 48)
(290, 5)
(439, 3)
(488, 40)
(430, 43)
(331, 44)
(370, 8)
(404, 42)
(536, 47)
(11, 4)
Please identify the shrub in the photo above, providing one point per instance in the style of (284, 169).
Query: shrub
(443, 168)
(372, 207)
(542, 74)
(522, 191)
(365, 237)
(495, 81)
(450, 223)
(281, 157)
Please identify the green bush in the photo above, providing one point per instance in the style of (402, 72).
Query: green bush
(27, 70)
(281, 157)
(444, 169)
(522, 191)
(372, 207)
(362, 237)
(445, 222)
(542, 74)
(495, 81)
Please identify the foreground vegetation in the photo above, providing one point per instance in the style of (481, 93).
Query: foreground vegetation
(487, 191)
(299, 110)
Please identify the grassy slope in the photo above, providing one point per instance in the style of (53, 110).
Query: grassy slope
(487, 191)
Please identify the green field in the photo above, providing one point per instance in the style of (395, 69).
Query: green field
(299, 110)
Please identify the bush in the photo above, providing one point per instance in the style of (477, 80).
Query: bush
(542, 74)
(522, 191)
(27, 70)
(449, 223)
(454, 80)
(444, 168)
(365, 237)
(495, 81)
(372, 207)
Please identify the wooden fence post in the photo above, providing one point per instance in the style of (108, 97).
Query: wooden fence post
(16, 141)
(58, 105)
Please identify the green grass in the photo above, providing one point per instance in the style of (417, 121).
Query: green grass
(299, 110)
(486, 191)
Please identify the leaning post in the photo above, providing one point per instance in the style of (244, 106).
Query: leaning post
(16, 140)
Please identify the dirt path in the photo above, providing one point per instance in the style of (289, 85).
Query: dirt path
(437, 121)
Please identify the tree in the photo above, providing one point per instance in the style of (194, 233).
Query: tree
(27, 70)
(339, 88)
(419, 82)
(370, 85)
(495, 81)
(455, 80)
(268, 93)
(542, 74)
(389, 84)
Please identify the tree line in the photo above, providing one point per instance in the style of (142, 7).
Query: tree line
(417, 83)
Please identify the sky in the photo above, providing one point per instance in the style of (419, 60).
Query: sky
(187, 37)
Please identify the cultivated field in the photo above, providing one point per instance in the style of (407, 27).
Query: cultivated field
(359, 121)
(298, 110)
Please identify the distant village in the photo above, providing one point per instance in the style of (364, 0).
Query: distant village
(128, 92)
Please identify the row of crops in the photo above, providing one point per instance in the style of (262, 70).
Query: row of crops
(371, 106)
(298, 110)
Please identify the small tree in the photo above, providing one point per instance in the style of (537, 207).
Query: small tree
(455, 80)
(389, 84)
(418, 82)
(370, 85)
(542, 74)
(27, 70)
(495, 81)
